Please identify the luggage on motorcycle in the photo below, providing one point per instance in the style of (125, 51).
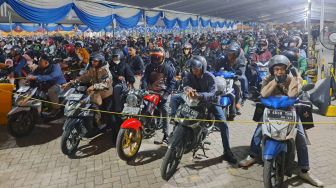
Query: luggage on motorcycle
(258, 112)
(304, 110)
(320, 95)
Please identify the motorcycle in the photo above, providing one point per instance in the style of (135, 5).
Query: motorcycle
(279, 131)
(135, 128)
(225, 80)
(80, 119)
(29, 108)
(188, 135)
(262, 72)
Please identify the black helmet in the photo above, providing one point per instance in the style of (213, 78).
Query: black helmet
(278, 60)
(45, 57)
(197, 62)
(262, 45)
(234, 48)
(100, 58)
(290, 54)
(117, 53)
(157, 56)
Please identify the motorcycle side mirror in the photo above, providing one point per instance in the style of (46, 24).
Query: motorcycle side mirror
(308, 87)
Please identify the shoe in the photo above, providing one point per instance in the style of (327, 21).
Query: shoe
(243, 101)
(249, 161)
(229, 157)
(238, 112)
(311, 179)
(163, 141)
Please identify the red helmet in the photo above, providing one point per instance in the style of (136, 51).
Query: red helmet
(69, 48)
(50, 41)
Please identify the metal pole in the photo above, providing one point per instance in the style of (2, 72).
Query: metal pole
(319, 67)
(145, 20)
(113, 28)
(10, 22)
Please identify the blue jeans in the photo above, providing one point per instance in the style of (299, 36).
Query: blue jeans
(300, 142)
(217, 111)
(244, 86)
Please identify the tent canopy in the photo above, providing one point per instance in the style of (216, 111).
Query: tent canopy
(279, 11)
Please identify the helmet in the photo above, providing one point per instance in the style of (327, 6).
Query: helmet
(50, 41)
(100, 58)
(8, 48)
(79, 44)
(234, 48)
(297, 40)
(44, 56)
(187, 45)
(117, 53)
(197, 62)
(157, 56)
(278, 60)
(262, 45)
(69, 48)
(291, 55)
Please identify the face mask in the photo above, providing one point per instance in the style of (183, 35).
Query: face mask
(116, 62)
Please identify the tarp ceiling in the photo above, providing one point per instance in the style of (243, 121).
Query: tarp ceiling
(279, 11)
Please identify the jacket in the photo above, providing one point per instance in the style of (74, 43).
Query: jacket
(122, 69)
(83, 55)
(52, 74)
(239, 66)
(263, 57)
(136, 63)
(205, 86)
(100, 80)
(269, 87)
(159, 78)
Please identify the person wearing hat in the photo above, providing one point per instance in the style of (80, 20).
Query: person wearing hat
(51, 77)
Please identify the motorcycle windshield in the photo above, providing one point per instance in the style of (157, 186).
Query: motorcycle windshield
(225, 74)
(278, 102)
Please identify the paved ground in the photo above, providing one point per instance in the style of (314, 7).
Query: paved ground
(37, 161)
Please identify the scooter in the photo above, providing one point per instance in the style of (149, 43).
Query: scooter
(29, 108)
(279, 131)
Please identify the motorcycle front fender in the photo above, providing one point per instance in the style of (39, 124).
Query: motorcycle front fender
(70, 121)
(18, 109)
(272, 148)
(131, 123)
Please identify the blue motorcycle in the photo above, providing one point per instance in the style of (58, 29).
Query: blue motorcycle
(262, 72)
(225, 81)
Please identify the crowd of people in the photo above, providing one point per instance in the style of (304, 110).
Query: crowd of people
(166, 63)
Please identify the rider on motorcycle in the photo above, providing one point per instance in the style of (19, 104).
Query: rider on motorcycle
(101, 85)
(52, 78)
(187, 54)
(298, 64)
(200, 84)
(160, 76)
(280, 82)
(235, 62)
(122, 75)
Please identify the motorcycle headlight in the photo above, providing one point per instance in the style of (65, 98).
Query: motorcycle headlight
(132, 100)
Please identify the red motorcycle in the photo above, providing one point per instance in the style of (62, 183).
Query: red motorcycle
(139, 123)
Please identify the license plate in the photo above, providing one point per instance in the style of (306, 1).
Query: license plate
(280, 115)
(74, 97)
(186, 111)
(131, 110)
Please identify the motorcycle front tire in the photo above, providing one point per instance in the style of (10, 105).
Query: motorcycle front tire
(22, 123)
(69, 131)
(174, 154)
(121, 139)
(269, 169)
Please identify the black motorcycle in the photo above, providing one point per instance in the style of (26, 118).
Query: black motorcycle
(188, 135)
(80, 120)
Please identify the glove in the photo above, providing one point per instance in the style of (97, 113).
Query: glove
(281, 79)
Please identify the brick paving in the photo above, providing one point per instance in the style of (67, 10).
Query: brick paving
(36, 161)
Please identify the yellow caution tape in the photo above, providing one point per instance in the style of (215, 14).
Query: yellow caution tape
(160, 117)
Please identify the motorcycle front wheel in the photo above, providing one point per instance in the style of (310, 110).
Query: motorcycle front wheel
(273, 173)
(70, 140)
(174, 154)
(128, 143)
(22, 123)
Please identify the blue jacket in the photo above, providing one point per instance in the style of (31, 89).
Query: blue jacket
(206, 85)
(19, 67)
(51, 74)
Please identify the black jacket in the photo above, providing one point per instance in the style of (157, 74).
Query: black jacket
(122, 69)
(136, 64)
